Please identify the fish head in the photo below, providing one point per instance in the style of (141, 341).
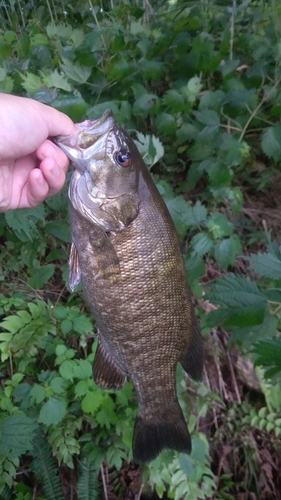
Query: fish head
(100, 151)
(106, 176)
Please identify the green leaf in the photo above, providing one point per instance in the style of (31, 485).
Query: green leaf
(23, 222)
(187, 132)
(97, 111)
(53, 411)
(75, 71)
(242, 304)
(66, 369)
(150, 148)
(31, 83)
(208, 117)
(268, 354)
(60, 229)
(81, 388)
(271, 142)
(41, 275)
(195, 267)
(179, 210)
(92, 401)
(143, 104)
(219, 225)
(17, 432)
(72, 105)
(165, 123)
(225, 251)
(82, 324)
(83, 370)
(201, 243)
(265, 265)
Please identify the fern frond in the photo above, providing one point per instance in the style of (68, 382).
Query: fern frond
(88, 486)
(45, 468)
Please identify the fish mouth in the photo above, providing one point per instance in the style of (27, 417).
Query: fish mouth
(78, 146)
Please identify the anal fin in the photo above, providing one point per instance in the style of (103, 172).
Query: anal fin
(193, 360)
(106, 373)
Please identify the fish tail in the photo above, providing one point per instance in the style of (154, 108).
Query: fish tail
(149, 439)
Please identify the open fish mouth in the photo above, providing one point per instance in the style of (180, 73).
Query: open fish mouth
(83, 144)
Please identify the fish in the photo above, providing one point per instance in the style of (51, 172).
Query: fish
(126, 253)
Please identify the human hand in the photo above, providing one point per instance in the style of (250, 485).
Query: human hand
(25, 126)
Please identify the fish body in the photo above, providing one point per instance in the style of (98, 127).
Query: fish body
(126, 252)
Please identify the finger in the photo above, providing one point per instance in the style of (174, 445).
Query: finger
(49, 150)
(35, 190)
(54, 173)
(57, 122)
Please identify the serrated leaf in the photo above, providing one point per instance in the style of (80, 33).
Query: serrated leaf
(92, 401)
(219, 225)
(57, 80)
(165, 123)
(75, 71)
(66, 326)
(66, 369)
(208, 117)
(271, 142)
(195, 267)
(150, 148)
(187, 132)
(265, 265)
(58, 385)
(53, 411)
(181, 214)
(173, 100)
(242, 304)
(143, 104)
(41, 275)
(81, 388)
(17, 432)
(201, 243)
(226, 250)
(23, 222)
(82, 325)
(83, 369)
(199, 213)
(60, 229)
(31, 83)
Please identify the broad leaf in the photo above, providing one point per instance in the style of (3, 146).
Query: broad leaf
(17, 432)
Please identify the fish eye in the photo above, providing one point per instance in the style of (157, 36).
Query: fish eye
(123, 158)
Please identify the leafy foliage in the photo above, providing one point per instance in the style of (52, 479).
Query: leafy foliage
(198, 86)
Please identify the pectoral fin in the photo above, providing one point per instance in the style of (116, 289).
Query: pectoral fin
(106, 373)
(73, 268)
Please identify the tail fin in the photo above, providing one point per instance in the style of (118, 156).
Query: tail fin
(150, 439)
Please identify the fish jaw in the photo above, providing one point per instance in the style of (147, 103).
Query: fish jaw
(88, 140)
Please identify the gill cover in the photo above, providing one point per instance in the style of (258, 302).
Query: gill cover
(104, 185)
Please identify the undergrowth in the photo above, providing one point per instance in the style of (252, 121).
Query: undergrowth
(197, 84)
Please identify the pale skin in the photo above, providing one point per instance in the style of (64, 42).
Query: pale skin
(31, 167)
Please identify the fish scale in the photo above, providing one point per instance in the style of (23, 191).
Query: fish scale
(126, 252)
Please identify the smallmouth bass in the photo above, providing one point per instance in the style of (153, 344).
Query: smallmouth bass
(126, 252)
